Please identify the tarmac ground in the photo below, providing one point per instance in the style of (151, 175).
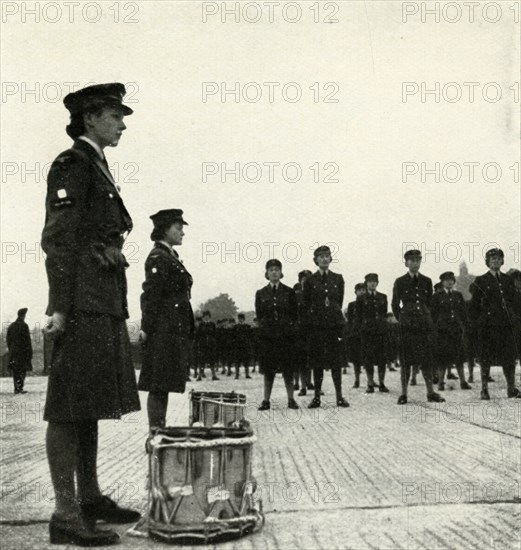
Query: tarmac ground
(372, 476)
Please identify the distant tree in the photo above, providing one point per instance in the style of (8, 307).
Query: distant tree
(221, 307)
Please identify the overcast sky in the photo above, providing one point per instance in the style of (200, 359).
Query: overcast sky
(352, 125)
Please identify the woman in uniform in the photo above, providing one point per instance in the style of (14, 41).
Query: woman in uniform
(276, 312)
(323, 298)
(92, 375)
(450, 320)
(167, 320)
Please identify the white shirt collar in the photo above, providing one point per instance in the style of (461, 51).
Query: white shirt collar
(275, 285)
(94, 145)
(166, 244)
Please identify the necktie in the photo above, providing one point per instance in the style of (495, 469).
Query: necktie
(415, 279)
(274, 289)
(324, 278)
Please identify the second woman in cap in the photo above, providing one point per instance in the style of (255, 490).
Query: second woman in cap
(276, 310)
(167, 322)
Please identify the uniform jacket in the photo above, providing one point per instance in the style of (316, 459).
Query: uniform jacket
(86, 223)
(411, 301)
(448, 311)
(242, 337)
(352, 329)
(323, 300)
(206, 336)
(371, 313)
(492, 302)
(18, 341)
(517, 305)
(276, 312)
(166, 294)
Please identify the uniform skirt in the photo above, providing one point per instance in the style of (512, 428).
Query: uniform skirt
(497, 346)
(277, 354)
(354, 349)
(166, 360)
(325, 348)
(92, 376)
(373, 349)
(449, 347)
(416, 346)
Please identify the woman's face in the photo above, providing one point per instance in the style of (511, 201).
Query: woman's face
(105, 128)
(274, 274)
(413, 264)
(495, 262)
(174, 235)
(448, 284)
(323, 260)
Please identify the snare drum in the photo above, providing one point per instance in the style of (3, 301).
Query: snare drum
(201, 485)
(217, 410)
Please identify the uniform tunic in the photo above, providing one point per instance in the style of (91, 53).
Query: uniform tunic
(492, 311)
(18, 340)
(371, 320)
(168, 321)
(323, 298)
(276, 313)
(301, 342)
(206, 343)
(450, 319)
(410, 304)
(92, 376)
(242, 343)
(352, 331)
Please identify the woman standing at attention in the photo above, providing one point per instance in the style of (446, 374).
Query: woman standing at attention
(167, 320)
(92, 375)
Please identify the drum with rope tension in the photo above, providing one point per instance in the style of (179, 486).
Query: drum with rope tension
(201, 485)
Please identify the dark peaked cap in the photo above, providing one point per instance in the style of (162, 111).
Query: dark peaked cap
(108, 94)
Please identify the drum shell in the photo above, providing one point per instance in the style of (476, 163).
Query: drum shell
(207, 479)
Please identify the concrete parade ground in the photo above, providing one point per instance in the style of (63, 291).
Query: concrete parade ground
(372, 476)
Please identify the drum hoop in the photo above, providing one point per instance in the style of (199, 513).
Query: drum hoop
(174, 443)
(223, 403)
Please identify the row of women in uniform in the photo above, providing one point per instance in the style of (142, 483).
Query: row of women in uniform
(92, 375)
(225, 344)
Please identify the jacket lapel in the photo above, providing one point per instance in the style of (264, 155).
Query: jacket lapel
(95, 159)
